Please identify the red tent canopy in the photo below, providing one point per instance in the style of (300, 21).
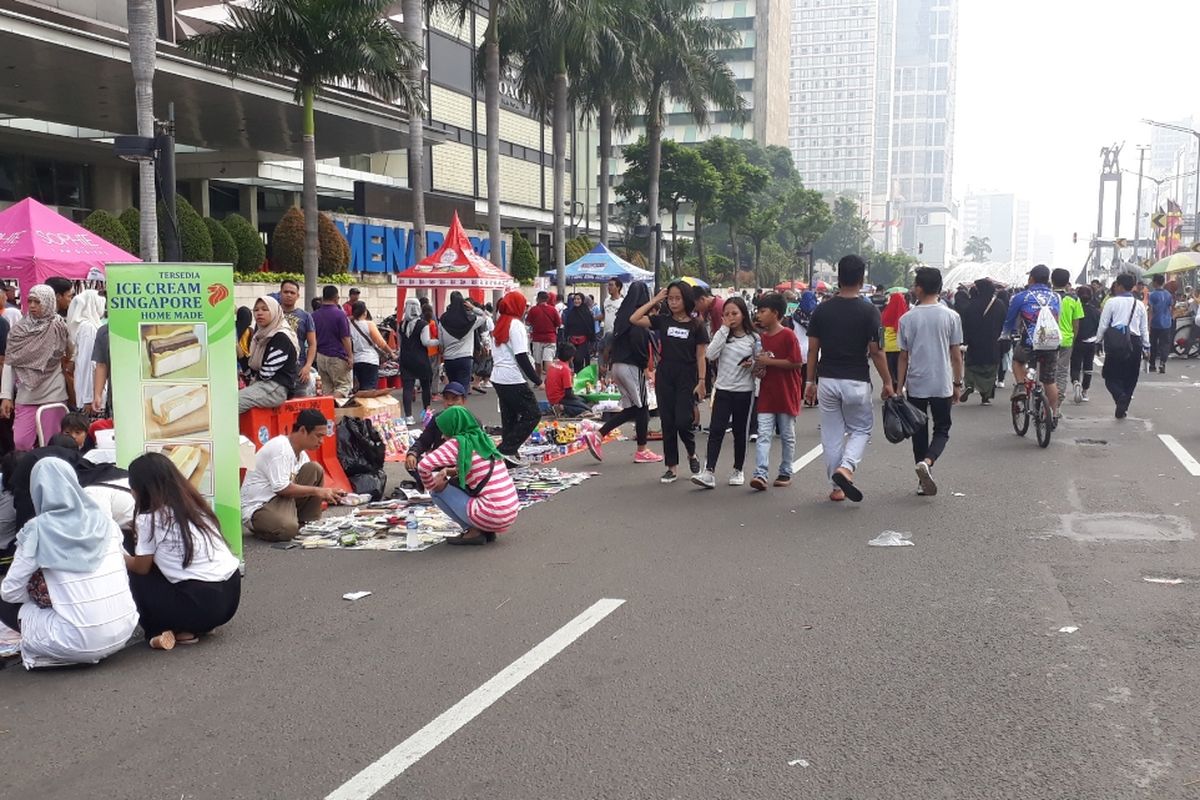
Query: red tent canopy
(455, 266)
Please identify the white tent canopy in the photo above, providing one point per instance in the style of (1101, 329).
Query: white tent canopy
(1010, 273)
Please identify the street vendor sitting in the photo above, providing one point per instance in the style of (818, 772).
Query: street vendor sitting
(453, 394)
(273, 354)
(560, 383)
(285, 490)
(468, 479)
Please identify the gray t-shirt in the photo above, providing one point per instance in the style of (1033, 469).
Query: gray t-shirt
(926, 334)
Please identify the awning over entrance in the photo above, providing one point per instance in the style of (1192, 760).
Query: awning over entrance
(61, 73)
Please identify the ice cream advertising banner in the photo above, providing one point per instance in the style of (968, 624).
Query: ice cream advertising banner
(174, 376)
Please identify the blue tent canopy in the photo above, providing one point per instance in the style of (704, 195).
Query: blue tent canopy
(600, 265)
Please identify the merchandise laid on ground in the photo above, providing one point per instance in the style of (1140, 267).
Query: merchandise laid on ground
(552, 440)
(384, 525)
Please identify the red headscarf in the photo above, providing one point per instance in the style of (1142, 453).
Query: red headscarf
(511, 308)
(896, 308)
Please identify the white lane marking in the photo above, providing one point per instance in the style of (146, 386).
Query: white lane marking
(1185, 458)
(393, 763)
(806, 459)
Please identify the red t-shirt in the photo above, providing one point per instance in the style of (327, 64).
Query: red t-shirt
(779, 392)
(558, 380)
(544, 321)
(716, 315)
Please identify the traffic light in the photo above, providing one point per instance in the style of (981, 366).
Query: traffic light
(920, 248)
(1074, 238)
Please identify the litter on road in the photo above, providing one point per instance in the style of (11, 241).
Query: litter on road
(355, 595)
(798, 762)
(1068, 629)
(892, 539)
(1168, 581)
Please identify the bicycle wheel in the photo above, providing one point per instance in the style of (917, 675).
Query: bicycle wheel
(1043, 420)
(1020, 415)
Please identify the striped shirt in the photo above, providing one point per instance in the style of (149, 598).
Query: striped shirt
(279, 362)
(495, 509)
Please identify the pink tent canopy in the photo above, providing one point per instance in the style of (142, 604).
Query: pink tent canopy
(36, 243)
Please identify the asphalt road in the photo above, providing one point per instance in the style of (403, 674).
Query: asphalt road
(763, 649)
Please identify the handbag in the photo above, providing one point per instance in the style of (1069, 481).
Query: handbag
(1118, 342)
(384, 355)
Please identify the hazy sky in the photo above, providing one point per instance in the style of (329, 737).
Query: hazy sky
(1044, 84)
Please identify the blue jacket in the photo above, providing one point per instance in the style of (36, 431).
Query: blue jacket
(1025, 306)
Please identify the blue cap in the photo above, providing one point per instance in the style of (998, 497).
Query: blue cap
(455, 388)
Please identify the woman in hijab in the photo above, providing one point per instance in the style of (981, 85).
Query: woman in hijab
(34, 369)
(460, 321)
(512, 372)
(962, 299)
(272, 363)
(84, 318)
(982, 321)
(468, 480)
(67, 591)
(629, 355)
(896, 308)
(415, 340)
(580, 329)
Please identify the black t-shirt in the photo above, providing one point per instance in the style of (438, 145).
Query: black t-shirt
(279, 363)
(631, 347)
(679, 339)
(846, 327)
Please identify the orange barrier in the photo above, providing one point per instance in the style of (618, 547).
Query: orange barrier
(260, 425)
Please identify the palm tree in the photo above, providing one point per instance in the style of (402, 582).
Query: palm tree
(143, 35)
(977, 248)
(539, 35)
(678, 60)
(316, 43)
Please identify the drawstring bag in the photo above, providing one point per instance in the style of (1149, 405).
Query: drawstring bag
(901, 419)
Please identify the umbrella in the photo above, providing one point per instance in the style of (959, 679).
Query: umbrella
(795, 285)
(1176, 263)
(690, 281)
(822, 286)
(897, 290)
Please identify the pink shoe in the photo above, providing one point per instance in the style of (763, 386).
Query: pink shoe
(646, 457)
(594, 444)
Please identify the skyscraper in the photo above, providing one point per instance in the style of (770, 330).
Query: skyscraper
(1002, 219)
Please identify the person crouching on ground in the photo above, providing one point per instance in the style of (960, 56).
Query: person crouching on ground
(468, 479)
(453, 394)
(285, 490)
(67, 592)
(560, 384)
(183, 576)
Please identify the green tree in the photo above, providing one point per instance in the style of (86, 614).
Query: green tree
(679, 60)
(131, 220)
(759, 226)
(849, 234)
(806, 218)
(578, 247)
(224, 247)
(108, 228)
(977, 248)
(317, 43)
(252, 252)
(195, 243)
(741, 182)
(890, 269)
(524, 262)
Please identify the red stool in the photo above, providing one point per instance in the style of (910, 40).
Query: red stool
(326, 454)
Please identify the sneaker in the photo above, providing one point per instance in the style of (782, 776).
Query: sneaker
(965, 396)
(1162, 370)
(646, 457)
(705, 479)
(985, 401)
(737, 478)
(668, 477)
(594, 444)
(920, 491)
(999, 384)
(1077, 389)
(925, 477)
(1083, 398)
(782, 481)
(409, 421)
(694, 465)
(754, 437)
(758, 483)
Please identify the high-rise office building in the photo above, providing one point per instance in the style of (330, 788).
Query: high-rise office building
(1004, 220)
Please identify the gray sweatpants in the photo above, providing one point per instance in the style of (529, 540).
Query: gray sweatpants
(847, 417)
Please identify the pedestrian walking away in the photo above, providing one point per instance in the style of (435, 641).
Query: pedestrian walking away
(1162, 325)
(629, 354)
(1125, 334)
(931, 370)
(1070, 315)
(842, 337)
(982, 321)
(1083, 352)
(897, 307)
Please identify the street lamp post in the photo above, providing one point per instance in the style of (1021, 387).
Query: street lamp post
(1196, 207)
(1137, 215)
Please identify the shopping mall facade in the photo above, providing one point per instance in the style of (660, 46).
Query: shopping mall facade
(66, 89)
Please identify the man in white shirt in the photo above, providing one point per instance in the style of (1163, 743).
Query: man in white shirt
(285, 490)
(1123, 312)
(608, 317)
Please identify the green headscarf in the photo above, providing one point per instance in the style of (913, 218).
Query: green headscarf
(458, 423)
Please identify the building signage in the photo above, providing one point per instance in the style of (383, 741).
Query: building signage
(385, 246)
(174, 377)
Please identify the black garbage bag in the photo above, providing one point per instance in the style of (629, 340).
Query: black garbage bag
(360, 448)
(901, 419)
(372, 483)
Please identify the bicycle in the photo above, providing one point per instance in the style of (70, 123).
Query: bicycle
(1033, 403)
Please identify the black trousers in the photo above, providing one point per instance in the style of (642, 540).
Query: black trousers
(1161, 340)
(188, 606)
(638, 415)
(519, 415)
(1121, 375)
(8, 615)
(1083, 362)
(937, 408)
(409, 378)
(674, 386)
(572, 406)
(459, 369)
(727, 406)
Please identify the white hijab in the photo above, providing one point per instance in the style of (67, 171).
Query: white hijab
(88, 306)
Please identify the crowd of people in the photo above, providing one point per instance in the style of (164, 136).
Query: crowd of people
(92, 551)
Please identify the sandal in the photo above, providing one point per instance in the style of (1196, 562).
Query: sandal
(837, 496)
(847, 486)
(164, 641)
(187, 638)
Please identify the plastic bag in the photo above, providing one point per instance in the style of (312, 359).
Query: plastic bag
(360, 448)
(901, 419)
(892, 539)
(370, 483)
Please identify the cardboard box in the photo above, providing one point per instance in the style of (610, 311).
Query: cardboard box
(370, 407)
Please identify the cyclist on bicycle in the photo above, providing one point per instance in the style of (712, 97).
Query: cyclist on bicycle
(1022, 317)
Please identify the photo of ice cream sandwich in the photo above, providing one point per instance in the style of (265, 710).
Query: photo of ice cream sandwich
(192, 460)
(176, 410)
(170, 349)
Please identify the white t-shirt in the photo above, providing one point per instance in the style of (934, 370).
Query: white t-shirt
(505, 369)
(118, 503)
(211, 560)
(360, 341)
(275, 466)
(611, 306)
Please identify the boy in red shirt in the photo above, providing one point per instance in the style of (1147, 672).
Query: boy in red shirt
(560, 384)
(778, 366)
